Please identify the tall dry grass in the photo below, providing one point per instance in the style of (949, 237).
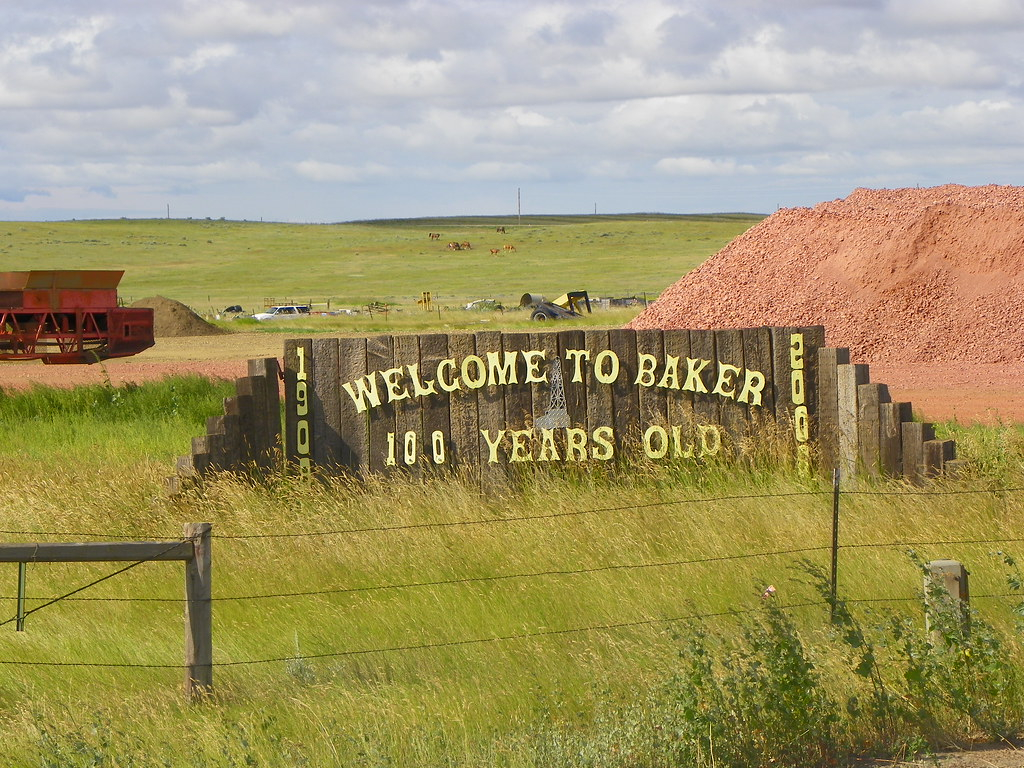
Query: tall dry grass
(606, 619)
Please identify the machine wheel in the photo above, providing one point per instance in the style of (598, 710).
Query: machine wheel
(540, 315)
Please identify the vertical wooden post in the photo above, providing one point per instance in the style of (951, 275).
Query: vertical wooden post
(946, 591)
(198, 614)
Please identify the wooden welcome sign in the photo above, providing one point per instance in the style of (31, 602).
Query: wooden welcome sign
(492, 401)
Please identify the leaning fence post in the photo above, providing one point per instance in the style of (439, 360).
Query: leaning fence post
(946, 591)
(198, 613)
(835, 544)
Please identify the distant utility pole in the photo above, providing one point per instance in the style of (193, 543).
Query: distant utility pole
(519, 204)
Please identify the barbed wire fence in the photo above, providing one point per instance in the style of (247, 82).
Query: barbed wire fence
(834, 549)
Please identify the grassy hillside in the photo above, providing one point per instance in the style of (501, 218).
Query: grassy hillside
(211, 264)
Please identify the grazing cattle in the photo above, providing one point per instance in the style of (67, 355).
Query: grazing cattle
(501, 230)
(495, 251)
(466, 246)
(509, 247)
(454, 247)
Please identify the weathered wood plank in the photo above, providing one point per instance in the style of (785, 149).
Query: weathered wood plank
(465, 422)
(490, 407)
(267, 370)
(326, 405)
(383, 441)
(354, 425)
(890, 428)
(575, 389)
(733, 415)
(409, 412)
(672, 378)
(915, 435)
(705, 405)
(869, 400)
(435, 406)
(625, 397)
(936, 454)
(198, 612)
(95, 552)
(829, 359)
(519, 405)
(849, 378)
(653, 400)
(757, 356)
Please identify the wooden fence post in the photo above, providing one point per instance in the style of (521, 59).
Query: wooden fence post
(198, 614)
(946, 591)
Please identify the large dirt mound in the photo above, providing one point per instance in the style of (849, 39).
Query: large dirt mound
(172, 318)
(904, 275)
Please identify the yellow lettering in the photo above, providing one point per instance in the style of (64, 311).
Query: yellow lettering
(548, 449)
(576, 444)
(753, 384)
(396, 391)
(577, 356)
(492, 456)
(645, 370)
(301, 397)
(451, 384)
(796, 351)
(365, 392)
(670, 379)
(694, 383)
(797, 387)
(477, 381)
(726, 377)
(410, 448)
(652, 451)
(390, 460)
(612, 372)
(501, 374)
(801, 424)
(437, 438)
(419, 389)
(677, 442)
(605, 448)
(710, 439)
(520, 446)
(533, 360)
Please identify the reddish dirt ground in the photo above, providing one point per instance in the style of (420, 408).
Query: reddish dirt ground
(979, 393)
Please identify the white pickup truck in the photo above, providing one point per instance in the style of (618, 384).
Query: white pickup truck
(283, 311)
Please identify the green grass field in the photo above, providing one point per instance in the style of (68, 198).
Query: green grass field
(210, 265)
(612, 620)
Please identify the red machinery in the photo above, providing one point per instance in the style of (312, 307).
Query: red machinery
(69, 316)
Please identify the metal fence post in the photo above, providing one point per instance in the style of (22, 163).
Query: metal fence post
(835, 545)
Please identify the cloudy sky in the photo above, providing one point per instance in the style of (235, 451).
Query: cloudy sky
(335, 110)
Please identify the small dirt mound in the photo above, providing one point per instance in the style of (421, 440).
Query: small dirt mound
(898, 276)
(172, 318)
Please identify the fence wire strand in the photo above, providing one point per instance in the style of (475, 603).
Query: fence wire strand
(69, 596)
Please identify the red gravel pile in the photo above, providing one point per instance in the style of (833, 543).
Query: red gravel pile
(904, 275)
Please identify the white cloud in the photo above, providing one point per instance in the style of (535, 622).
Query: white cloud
(701, 166)
(320, 171)
(504, 171)
(202, 57)
(184, 99)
